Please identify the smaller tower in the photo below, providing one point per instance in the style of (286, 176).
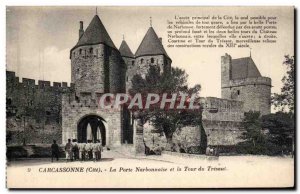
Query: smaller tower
(151, 52)
(129, 60)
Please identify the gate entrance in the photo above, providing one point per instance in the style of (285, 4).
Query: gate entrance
(91, 127)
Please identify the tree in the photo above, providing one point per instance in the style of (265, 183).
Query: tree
(268, 134)
(286, 98)
(281, 129)
(167, 120)
(253, 128)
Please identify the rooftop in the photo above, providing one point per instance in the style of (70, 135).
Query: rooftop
(95, 33)
(125, 50)
(151, 45)
(244, 68)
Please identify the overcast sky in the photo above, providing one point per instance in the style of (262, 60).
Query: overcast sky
(39, 40)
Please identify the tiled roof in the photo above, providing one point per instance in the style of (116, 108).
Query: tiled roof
(244, 68)
(151, 45)
(125, 50)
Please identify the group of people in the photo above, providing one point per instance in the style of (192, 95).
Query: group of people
(83, 151)
(211, 151)
(79, 151)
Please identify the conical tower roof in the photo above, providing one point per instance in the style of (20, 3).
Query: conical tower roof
(151, 45)
(125, 50)
(95, 33)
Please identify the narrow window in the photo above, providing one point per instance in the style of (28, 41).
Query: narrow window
(132, 63)
(80, 51)
(238, 92)
(142, 60)
(152, 60)
(91, 50)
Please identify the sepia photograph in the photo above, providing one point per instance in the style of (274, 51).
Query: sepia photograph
(176, 97)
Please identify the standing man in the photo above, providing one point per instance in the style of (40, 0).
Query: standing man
(54, 151)
(89, 149)
(99, 149)
(81, 149)
(68, 149)
(75, 149)
(95, 151)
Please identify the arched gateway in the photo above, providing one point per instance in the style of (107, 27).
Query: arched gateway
(91, 127)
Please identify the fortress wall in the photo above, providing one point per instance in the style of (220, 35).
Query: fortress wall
(222, 120)
(38, 107)
(220, 109)
(223, 132)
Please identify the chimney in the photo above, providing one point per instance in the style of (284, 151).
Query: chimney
(160, 38)
(81, 31)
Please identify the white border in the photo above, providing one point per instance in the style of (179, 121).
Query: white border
(5, 3)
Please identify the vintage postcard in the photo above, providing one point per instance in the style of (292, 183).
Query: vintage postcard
(150, 97)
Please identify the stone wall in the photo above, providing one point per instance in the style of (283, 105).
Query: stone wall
(88, 65)
(225, 70)
(131, 68)
(143, 63)
(223, 132)
(222, 120)
(73, 111)
(219, 109)
(117, 73)
(187, 138)
(33, 108)
(254, 92)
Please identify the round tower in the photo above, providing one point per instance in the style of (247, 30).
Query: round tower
(96, 64)
(152, 52)
(242, 81)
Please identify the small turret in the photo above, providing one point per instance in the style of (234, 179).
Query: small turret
(81, 31)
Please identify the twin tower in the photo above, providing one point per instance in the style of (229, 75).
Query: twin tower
(99, 67)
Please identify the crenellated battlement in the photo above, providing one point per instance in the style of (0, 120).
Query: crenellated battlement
(27, 82)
